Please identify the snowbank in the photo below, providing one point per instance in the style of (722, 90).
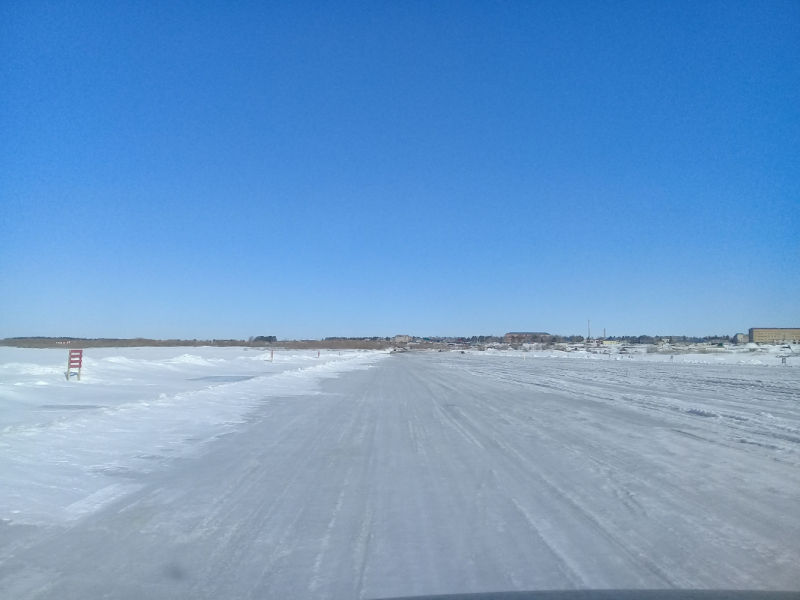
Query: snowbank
(69, 447)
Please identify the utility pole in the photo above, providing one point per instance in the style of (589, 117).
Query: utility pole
(589, 327)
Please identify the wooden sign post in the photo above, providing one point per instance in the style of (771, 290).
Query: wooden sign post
(75, 360)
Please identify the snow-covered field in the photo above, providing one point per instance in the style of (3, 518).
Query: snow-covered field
(209, 472)
(731, 355)
(751, 401)
(132, 410)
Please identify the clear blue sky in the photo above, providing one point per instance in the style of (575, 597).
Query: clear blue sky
(227, 169)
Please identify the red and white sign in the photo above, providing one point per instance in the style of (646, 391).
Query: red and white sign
(75, 362)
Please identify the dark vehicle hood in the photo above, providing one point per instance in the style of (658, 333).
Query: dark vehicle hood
(616, 595)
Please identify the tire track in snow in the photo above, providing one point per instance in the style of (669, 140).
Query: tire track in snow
(314, 584)
(569, 571)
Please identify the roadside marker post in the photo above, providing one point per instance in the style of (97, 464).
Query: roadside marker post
(75, 360)
(271, 355)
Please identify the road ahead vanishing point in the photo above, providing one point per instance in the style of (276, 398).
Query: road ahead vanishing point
(443, 473)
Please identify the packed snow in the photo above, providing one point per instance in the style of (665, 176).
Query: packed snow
(215, 473)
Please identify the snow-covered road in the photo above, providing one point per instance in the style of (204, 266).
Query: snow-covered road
(445, 472)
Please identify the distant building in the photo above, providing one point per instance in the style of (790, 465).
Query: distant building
(775, 335)
(401, 339)
(523, 337)
(740, 338)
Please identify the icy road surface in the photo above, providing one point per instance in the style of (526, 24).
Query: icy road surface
(386, 475)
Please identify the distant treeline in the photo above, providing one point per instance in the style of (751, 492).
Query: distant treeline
(257, 341)
(72, 342)
(328, 343)
(358, 339)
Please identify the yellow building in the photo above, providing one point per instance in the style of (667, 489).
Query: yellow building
(763, 335)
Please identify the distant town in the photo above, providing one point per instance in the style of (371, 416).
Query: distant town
(539, 340)
(517, 340)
